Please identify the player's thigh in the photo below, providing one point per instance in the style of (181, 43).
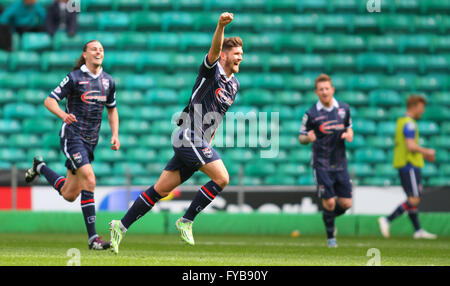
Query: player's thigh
(217, 172)
(325, 185)
(411, 183)
(167, 181)
(343, 187)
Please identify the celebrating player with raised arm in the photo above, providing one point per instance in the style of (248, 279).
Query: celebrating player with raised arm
(87, 90)
(213, 93)
(327, 125)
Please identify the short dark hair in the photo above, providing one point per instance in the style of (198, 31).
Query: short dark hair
(321, 78)
(413, 100)
(232, 42)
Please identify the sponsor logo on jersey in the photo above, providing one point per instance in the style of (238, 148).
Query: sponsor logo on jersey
(83, 82)
(221, 95)
(330, 126)
(88, 96)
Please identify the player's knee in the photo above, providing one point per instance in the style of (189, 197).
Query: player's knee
(414, 201)
(329, 204)
(222, 180)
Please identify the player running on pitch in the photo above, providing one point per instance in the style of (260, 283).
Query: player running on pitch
(87, 90)
(408, 159)
(327, 125)
(213, 93)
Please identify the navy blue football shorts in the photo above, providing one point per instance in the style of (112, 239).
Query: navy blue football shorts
(333, 183)
(77, 152)
(190, 155)
(410, 181)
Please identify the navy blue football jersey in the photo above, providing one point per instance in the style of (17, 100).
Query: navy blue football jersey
(86, 95)
(213, 93)
(328, 125)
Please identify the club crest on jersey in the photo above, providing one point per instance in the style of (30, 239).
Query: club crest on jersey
(57, 89)
(207, 152)
(88, 96)
(105, 83)
(341, 113)
(77, 157)
(221, 95)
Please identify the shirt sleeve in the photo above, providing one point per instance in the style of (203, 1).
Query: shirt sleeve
(348, 121)
(306, 125)
(207, 69)
(111, 98)
(409, 130)
(63, 90)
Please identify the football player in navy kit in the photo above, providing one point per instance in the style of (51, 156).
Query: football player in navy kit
(327, 125)
(213, 93)
(87, 89)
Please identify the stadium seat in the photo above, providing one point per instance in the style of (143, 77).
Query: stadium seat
(195, 42)
(381, 142)
(386, 128)
(365, 82)
(399, 82)
(359, 141)
(97, 5)
(441, 44)
(300, 82)
(415, 43)
(312, 6)
(19, 111)
(153, 61)
(373, 62)
(382, 43)
(436, 112)
(139, 82)
(127, 141)
(102, 169)
(112, 181)
(364, 126)
(405, 63)
(308, 63)
(291, 42)
(432, 82)
(134, 126)
(157, 140)
(386, 170)
(281, 5)
(13, 155)
(269, 23)
(59, 60)
(434, 63)
(253, 5)
(343, 6)
(434, 6)
(38, 126)
(280, 63)
(428, 128)
(372, 155)
(350, 43)
(280, 179)
(324, 43)
(257, 96)
(288, 97)
(188, 5)
(131, 168)
(377, 181)
(285, 113)
(116, 21)
(372, 113)
(130, 5)
(429, 170)
(177, 21)
(49, 155)
(6, 96)
(24, 60)
(4, 57)
(301, 155)
(130, 97)
(301, 23)
(259, 168)
(360, 169)
(218, 5)
(107, 38)
(306, 180)
(330, 23)
(366, 23)
(340, 62)
(145, 21)
(163, 128)
(36, 41)
(427, 24)
(293, 169)
(62, 42)
(10, 126)
(123, 61)
(88, 21)
(239, 155)
(160, 5)
(384, 98)
(439, 181)
(262, 42)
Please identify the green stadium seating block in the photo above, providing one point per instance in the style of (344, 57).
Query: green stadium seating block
(102, 169)
(218, 5)
(384, 98)
(62, 42)
(51, 140)
(434, 6)
(112, 181)
(49, 155)
(349, 43)
(300, 155)
(253, 5)
(441, 44)
(24, 60)
(435, 63)
(133, 41)
(255, 62)
(285, 113)
(130, 5)
(372, 155)
(292, 42)
(188, 5)
(306, 180)
(7, 95)
(97, 5)
(382, 43)
(308, 62)
(176, 81)
(38, 126)
(378, 181)
(127, 141)
(373, 62)
(144, 21)
(280, 63)
(154, 141)
(429, 170)
(386, 170)
(115, 21)
(259, 168)
(177, 21)
(129, 168)
(4, 58)
(163, 127)
(59, 60)
(359, 141)
(293, 169)
(343, 6)
(330, 23)
(280, 179)
(108, 155)
(432, 82)
(19, 111)
(269, 23)
(257, 96)
(364, 126)
(134, 126)
(281, 5)
(289, 97)
(9, 126)
(360, 169)
(445, 127)
(365, 82)
(427, 128)
(403, 63)
(340, 62)
(386, 128)
(380, 142)
(255, 42)
(399, 82)
(36, 41)
(12, 155)
(300, 82)
(439, 181)
(415, 43)
(139, 82)
(195, 42)
(372, 113)
(438, 113)
(239, 155)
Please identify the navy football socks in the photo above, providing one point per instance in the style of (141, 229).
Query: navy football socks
(202, 199)
(141, 206)
(328, 219)
(88, 209)
(414, 217)
(399, 210)
(56, 180)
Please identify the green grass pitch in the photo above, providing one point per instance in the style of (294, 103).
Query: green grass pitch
(222, 250)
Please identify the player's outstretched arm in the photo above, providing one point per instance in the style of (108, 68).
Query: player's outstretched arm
(217, 41)
(52, 105)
